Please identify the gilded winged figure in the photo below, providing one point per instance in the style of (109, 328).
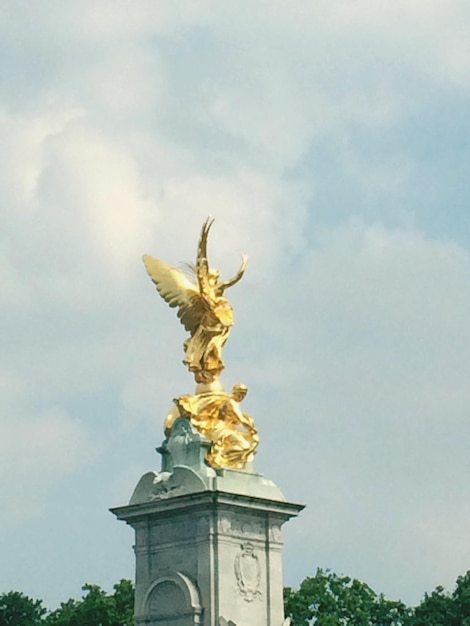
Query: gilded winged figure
(202, 307)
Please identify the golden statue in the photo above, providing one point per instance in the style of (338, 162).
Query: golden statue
(217, 416)
(208, 316)
(203, 310)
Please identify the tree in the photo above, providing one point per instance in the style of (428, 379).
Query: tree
(97, 608)
(441, 608)
(327, 599)
(124, 601)
(436, 609)
(461, 598)
(16, 609)
(389, 612)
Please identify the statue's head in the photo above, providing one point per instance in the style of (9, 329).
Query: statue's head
(239, 391)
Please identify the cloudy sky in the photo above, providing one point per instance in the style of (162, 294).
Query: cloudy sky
(330, 140)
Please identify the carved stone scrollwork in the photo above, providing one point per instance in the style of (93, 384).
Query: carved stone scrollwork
(248, 573)
(202, 527)
(252, 528)
(224, 525)
(276, 533)
(240, 525)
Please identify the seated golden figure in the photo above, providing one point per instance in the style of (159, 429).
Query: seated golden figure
(218, 417)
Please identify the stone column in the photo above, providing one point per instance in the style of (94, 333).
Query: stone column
(208, 542)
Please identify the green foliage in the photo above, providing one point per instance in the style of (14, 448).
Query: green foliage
(461, 598)
(327, 599)
(97, 608)
(16, 609)
(436, 609)
(124, 601)
(441, 608)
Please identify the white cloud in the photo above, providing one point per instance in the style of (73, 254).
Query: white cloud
(375, 324)
(37, 452)
(97, 191)
(21, 152)
(123, 127)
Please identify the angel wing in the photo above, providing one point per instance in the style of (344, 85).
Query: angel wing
(177, 291)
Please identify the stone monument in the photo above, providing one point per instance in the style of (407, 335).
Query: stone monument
(208, 540)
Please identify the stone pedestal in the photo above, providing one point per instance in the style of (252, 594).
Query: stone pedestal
(208, 542)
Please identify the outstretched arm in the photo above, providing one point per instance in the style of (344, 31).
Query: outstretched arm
(221, 287)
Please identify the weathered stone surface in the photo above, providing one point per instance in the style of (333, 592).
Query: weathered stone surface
(208, 542)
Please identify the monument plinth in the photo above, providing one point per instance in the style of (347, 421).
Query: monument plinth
(208, 540)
